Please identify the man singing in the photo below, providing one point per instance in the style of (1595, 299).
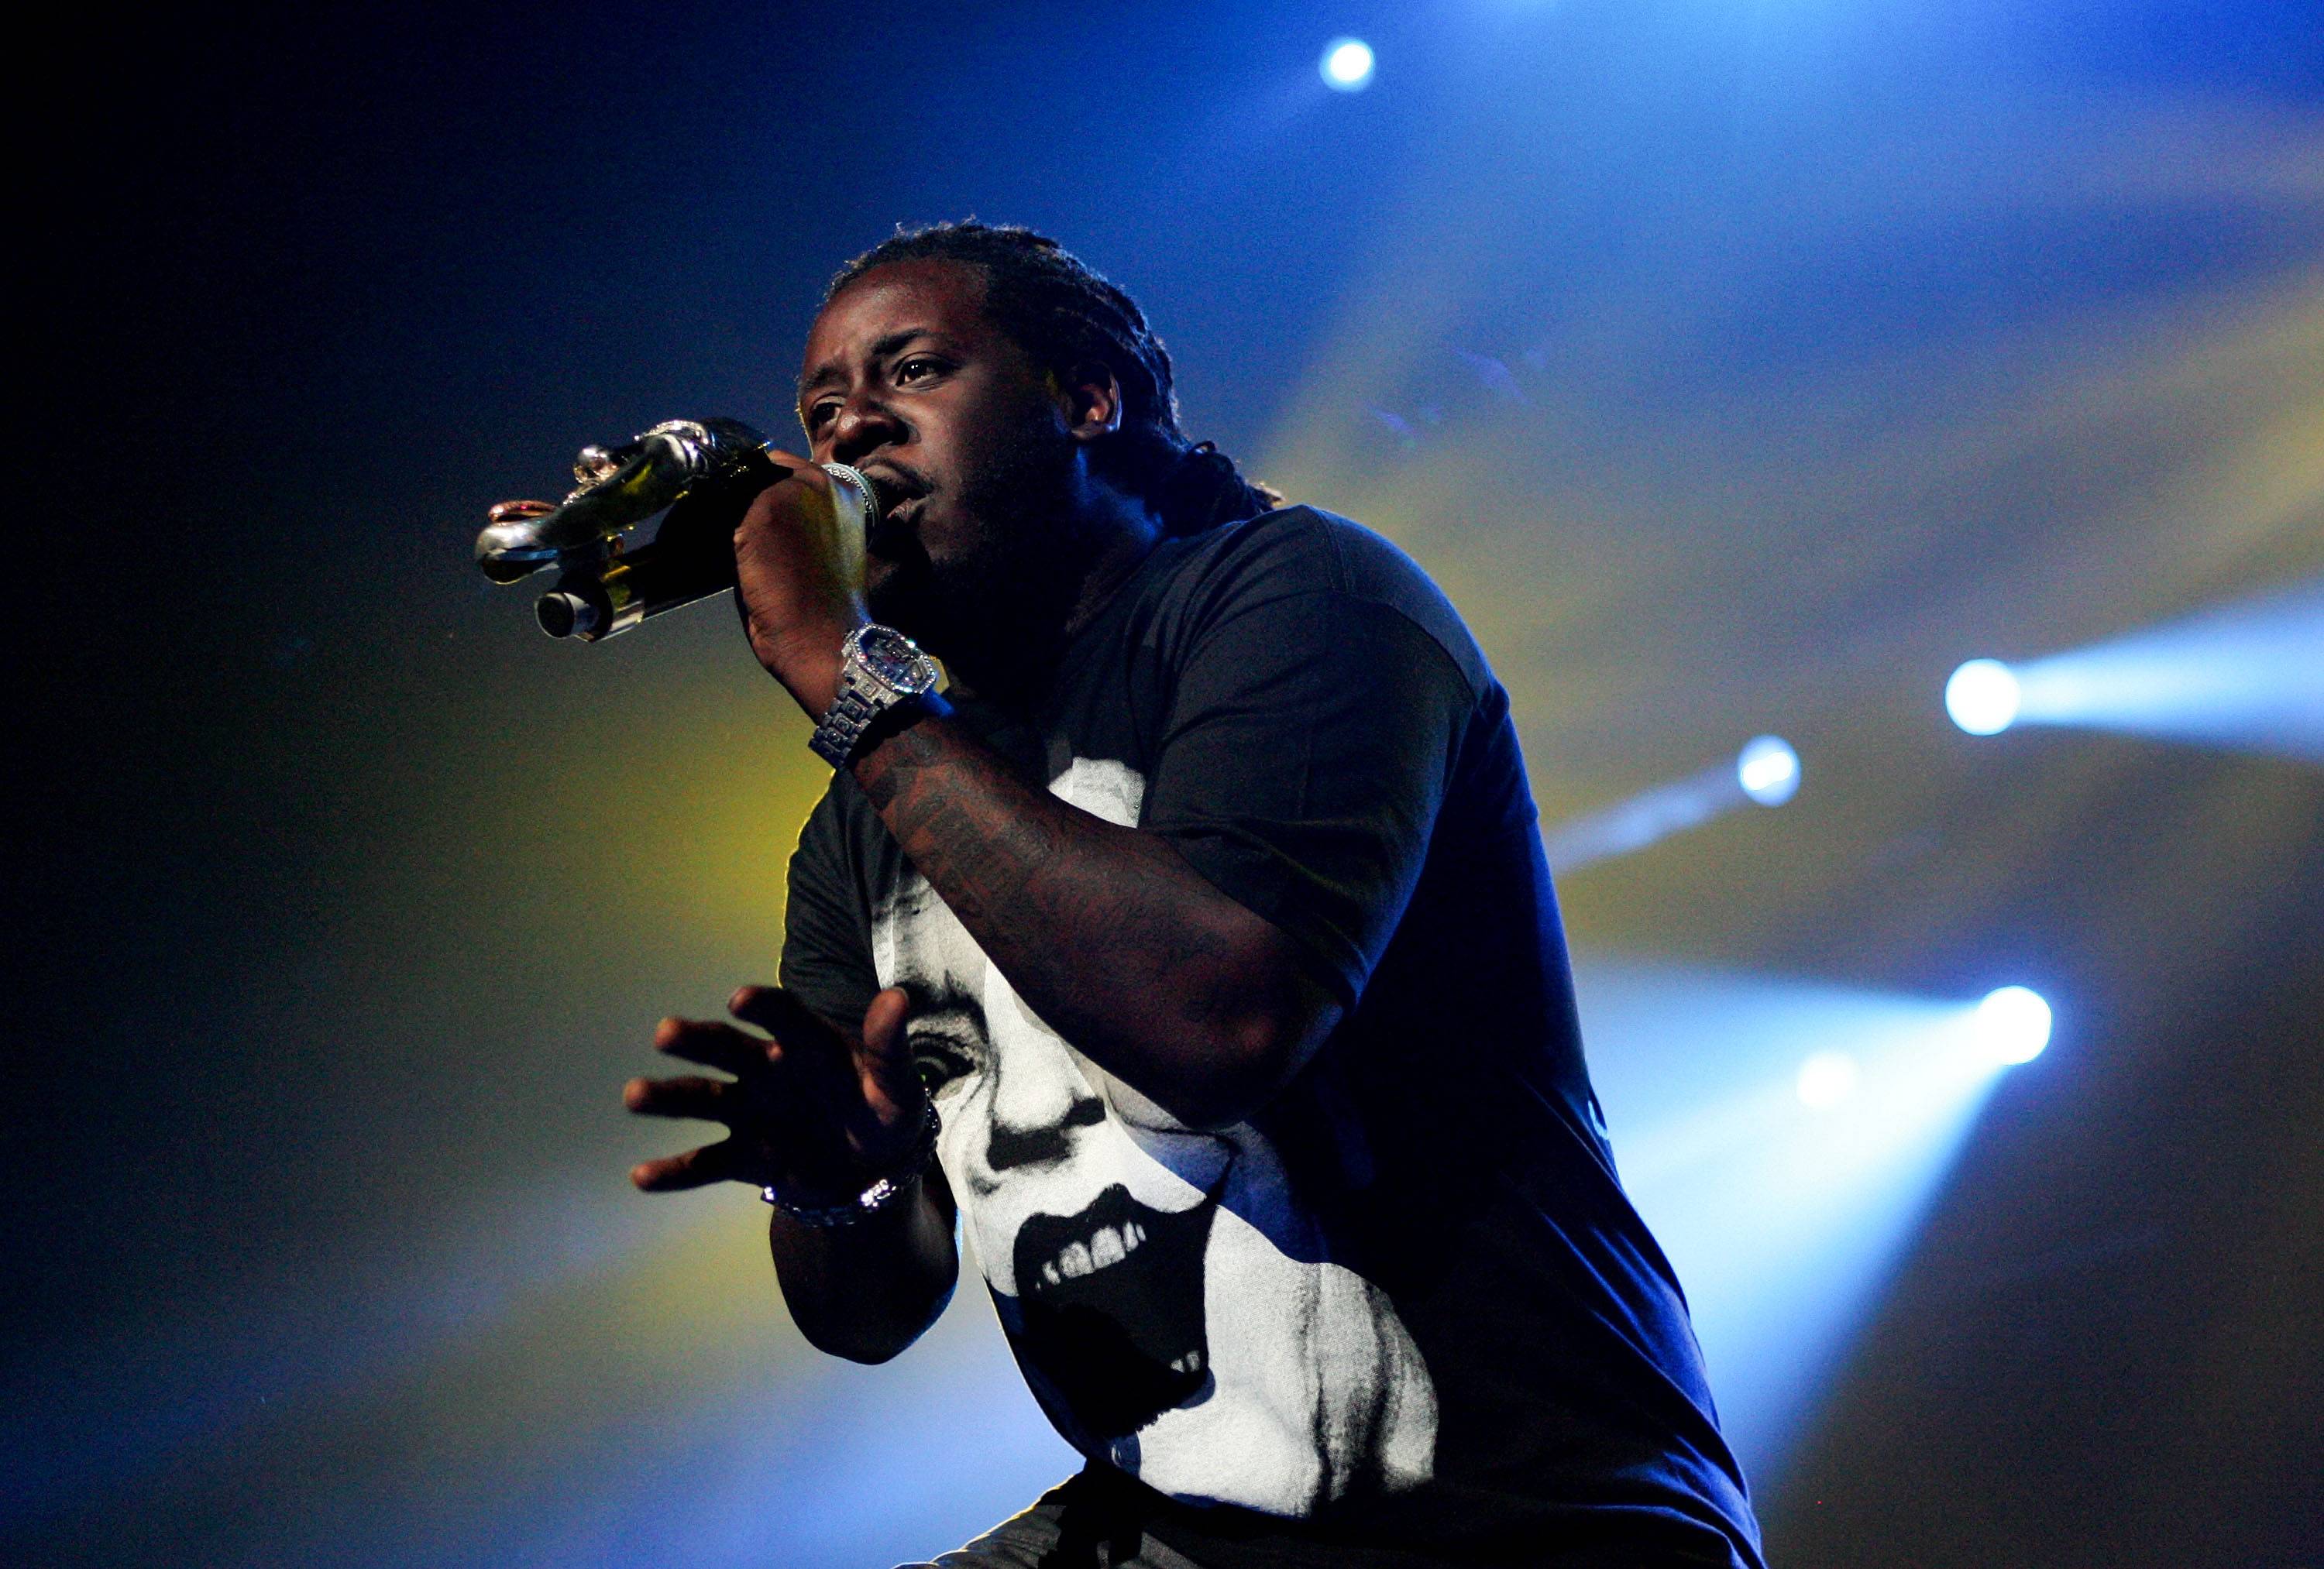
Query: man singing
(1195, 955)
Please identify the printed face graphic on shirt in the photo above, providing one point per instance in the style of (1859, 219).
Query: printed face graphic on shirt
(1173, 1308)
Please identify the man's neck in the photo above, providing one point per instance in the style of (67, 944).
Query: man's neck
(1124, 553)
(1014, 664)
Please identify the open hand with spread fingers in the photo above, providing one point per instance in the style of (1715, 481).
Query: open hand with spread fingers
(814, 1113)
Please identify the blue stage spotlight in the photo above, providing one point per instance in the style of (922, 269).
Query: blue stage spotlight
(1768, 770)
(2013, 1024)
(1346, 64)
(1983, 697)
(1827, 1078)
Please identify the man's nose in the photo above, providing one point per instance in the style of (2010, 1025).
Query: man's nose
(864, 425)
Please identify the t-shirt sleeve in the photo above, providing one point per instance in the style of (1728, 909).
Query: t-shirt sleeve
(1312, 735)
(827, 928)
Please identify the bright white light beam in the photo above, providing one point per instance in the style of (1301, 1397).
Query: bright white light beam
(1983, 697)
(1782, 1139)
(1827, 1078)
(2013, 1024)
(2246, 677)
(1347, 64)
(1766, 771)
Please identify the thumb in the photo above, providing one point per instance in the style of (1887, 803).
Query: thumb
(892, 1087)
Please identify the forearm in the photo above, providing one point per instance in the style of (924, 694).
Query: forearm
(1104, 931)
(868, 1290)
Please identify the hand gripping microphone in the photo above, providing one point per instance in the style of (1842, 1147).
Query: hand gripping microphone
(602, 586)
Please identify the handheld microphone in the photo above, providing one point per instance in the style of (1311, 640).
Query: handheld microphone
(604, 588)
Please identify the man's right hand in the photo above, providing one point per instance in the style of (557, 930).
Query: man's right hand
(820, 1114)
(817, 1114)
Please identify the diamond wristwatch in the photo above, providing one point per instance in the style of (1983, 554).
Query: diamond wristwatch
(879, 667)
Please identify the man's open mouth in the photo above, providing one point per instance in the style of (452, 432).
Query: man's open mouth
(893, 490)
(1112, 1299)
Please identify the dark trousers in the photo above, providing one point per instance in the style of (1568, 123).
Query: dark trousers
(1069, 1528)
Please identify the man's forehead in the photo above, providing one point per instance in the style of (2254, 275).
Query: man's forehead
(942, 296)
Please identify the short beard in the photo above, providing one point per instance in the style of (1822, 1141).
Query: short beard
(995, 609)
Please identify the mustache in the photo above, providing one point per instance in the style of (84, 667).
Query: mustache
(897, 483)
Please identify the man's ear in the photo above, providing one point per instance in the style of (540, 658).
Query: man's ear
(1090, 398)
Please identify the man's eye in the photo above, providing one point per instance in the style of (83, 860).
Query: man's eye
(916, 369)
(820, 414)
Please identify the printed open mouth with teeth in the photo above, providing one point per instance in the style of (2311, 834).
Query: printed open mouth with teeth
(1112, 1299)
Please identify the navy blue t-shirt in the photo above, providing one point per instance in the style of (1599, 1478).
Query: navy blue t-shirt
(1403, 1315)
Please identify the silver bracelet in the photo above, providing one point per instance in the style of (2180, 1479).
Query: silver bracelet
(883, 1191)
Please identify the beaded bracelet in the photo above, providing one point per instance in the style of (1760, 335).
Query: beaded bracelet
(882, 1192)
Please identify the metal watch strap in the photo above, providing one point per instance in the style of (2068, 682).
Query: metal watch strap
(865, 692)
(835, 738)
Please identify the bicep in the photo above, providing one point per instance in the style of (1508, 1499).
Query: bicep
(1309, 745)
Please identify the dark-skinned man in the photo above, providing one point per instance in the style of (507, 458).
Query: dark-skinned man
(1197, 959)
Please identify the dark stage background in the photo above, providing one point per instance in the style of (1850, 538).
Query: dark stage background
(1737, 366)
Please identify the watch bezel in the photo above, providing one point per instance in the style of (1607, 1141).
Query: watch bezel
(891, 659)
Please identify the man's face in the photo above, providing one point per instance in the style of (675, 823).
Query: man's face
(907, 378)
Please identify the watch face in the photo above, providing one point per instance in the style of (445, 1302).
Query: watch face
(895, 659)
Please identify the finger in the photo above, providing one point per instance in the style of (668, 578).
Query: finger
(770, 493)
(693, 1169)
(891, 1084)
(756, 530)
(714, 1044)
(806, 471)
(792, 1023)
(708, 1099)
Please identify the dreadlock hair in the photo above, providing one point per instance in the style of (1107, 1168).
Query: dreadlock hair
(1060, 311)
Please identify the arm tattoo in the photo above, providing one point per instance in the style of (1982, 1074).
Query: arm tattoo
(1103, 930)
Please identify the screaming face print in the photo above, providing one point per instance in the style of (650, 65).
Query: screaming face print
(1174, 1310)
(1122, 1337)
